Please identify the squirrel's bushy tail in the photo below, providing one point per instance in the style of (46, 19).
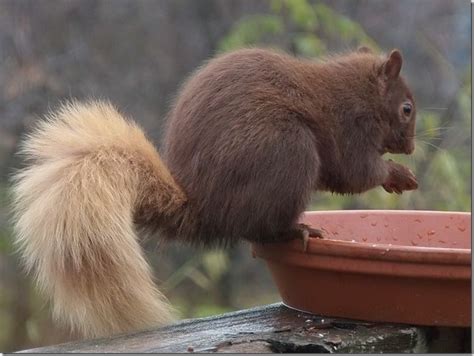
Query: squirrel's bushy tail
(89, 171)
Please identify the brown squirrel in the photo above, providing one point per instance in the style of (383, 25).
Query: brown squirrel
(250, 136)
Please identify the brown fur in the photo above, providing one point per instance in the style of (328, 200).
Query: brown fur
(251, 135)
(254, 132)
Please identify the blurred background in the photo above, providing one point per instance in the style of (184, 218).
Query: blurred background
(136, 53)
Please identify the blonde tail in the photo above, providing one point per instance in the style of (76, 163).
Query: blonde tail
(89, 171)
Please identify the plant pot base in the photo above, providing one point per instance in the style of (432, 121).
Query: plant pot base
(353, 279)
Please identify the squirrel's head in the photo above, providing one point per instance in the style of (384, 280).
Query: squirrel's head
(398, 110)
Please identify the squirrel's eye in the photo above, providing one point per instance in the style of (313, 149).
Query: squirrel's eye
(407, 109)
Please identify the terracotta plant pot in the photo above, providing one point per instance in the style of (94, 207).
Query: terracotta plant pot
(391, 266)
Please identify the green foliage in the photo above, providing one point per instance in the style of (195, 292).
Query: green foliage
(309, 45)
(5, 229)
(338, 26)
(310, 27)
(300, 12)
(204, 310)
(204, 270)
(445, 169)
(251, 30)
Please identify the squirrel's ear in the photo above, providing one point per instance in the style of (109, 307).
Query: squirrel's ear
(392, 66)
(364, 49)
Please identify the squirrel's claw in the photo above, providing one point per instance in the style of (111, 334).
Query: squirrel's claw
(307, 232)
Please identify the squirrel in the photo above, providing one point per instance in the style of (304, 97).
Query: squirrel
(251, 134)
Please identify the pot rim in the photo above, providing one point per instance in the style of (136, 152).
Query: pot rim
(384, 251)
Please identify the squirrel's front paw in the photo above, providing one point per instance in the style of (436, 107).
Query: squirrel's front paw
(399, 179)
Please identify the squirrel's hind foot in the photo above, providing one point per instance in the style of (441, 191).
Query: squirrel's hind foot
(306, 232)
